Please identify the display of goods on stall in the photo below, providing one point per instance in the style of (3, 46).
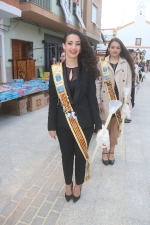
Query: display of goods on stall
(18, 88)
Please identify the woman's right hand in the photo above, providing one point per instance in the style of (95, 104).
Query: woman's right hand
(100, 108)
(52, 133)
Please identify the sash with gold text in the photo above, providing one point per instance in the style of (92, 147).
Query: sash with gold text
(57, 73)
(109, 87)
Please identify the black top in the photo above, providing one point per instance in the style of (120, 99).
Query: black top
(114, 66)
(72, 75)
(83, 101)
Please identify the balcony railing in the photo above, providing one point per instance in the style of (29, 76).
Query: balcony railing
(45, 4)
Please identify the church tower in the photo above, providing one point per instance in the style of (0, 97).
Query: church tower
(141, 13)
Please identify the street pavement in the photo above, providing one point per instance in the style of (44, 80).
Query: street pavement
(32, 183)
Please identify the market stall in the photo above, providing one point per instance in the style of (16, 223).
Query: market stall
(18, 96)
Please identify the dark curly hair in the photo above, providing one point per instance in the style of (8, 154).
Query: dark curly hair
(123, 54)
(87, 57)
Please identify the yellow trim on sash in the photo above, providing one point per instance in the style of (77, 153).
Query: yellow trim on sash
(108, 84)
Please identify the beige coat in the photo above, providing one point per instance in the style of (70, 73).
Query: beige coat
(122, 77)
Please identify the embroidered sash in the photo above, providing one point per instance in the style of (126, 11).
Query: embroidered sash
(109, 86)
(57, 73)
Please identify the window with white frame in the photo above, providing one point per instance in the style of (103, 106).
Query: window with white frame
(94, 13)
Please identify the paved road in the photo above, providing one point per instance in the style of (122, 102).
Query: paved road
(31, 178)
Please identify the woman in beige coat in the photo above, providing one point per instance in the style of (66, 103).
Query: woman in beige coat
(121, 69)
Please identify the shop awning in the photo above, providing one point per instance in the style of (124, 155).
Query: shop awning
(8, 11)
(78, 14)
(65, 6)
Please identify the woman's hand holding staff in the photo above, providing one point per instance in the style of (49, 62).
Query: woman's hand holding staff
(103, 135)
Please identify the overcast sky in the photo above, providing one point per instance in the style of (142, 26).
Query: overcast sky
(116, 13)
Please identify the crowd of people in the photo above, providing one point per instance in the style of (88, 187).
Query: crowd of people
(80, 93)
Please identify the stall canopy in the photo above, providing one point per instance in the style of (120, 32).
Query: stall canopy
(65, 6)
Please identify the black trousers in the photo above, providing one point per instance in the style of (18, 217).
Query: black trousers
(69, 150)
(132, 94)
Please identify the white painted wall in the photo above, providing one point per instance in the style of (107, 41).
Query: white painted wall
(139, 29)
(26, 32)
(2, 52)
(129, 34)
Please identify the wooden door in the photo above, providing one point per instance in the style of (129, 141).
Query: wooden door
(24, 50)
(22, 67)
(15, 70)
(16, 50)
(19, 50)
(30, 69)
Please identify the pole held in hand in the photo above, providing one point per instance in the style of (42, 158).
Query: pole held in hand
(126, 92)
(102, 139)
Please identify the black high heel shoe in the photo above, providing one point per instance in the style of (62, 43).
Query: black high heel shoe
(111, 162)
(75, 199)
(69, 197)
(105, 162)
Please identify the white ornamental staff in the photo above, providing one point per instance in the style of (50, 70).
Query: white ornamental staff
(102, 137)
(125, 110)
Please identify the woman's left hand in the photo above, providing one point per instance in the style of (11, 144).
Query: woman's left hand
(100, 108)
(52, 133)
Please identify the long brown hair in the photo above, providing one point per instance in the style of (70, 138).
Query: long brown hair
(87, 57)
(123, 54)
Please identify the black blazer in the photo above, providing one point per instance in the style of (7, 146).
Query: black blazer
(84, 103)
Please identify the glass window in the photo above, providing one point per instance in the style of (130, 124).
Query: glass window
(94, 14)
(76, 2)
(58, 2)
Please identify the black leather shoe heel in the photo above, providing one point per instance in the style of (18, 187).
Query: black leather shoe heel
(111, 162)
(75, 199)
(127, 120)
(105, 162)
(69, 197)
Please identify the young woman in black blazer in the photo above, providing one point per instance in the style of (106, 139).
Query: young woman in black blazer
(79, 71)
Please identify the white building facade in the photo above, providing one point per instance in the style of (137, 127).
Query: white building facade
(136, 35)
(6, 11)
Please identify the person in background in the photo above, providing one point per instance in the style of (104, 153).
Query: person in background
(121, 70)
(136, 69)
(149, 66)
(141, 64)
(53, 60)
(131, 52)
(79, 74)
(63, 56)
(145, 67)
